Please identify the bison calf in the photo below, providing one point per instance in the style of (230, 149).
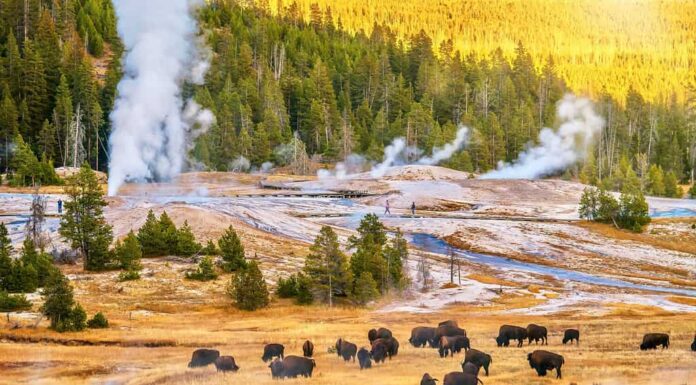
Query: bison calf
(203, 357)
(459, 378)
(477, 358)
(653, 340)
(542, 361)
(364, 359)
(226, 364)
(271, 351)
(570, 335)
(292, 367)
(428, 380)
(308, 349)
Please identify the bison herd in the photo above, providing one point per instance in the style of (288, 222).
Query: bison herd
(447, 337)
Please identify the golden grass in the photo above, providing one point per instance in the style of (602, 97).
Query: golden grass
(670, 243)
(683, 300)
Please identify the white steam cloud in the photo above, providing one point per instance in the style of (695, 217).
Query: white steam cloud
(151, 123)
(391, 154)
(557, 150)
(445, 152)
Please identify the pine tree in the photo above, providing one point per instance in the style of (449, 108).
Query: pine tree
(369, 253)
(128, 253)
(326, 267)
(672, 189)
(365, 288)
(150, 237)
(169, 233)
(9, 125)
(5, 257)
(186, 244)
(396, 254)
(248, 288)
(23, 164)
(656, 184)
(633, 212)
(34, 88)
(589, 202)
(41, 262)
(83, 224)
(59, 304)
(232, 251)
(205, 270)
(63, 114)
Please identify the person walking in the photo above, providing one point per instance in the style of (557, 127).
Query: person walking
(413, 208)
(60, 206)
(386, 208)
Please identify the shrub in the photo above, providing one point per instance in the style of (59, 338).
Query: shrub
(210, 249)
(204, 272)
(287, 288)
(248, 288)
(129, 275)
(128, 253)
(232, 251)
(99, 321)
(10, 302)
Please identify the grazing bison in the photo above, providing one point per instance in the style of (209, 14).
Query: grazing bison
(653, 340)
(471, 368)
(449, 323)
(308, 349)
(346, 349)
(271, 351)
(537, 333)
(453, 345)
(421, 335)
(447, 331)
(542, 361)
(478, 358)
(203, 357)
(226, 364)
(693, 345)
(570, 335)
(459, 378)
(509, 332)
(364, 359)
(428, 380)
(374, 334)
(379, 351)
(292, 367)
(391, 343)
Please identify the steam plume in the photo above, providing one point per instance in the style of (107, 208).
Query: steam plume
(559, 149)
(150, 128)
(446, 151)
(391, 154)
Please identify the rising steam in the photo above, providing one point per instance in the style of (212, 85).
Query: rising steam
(151, 123)
(557, 150)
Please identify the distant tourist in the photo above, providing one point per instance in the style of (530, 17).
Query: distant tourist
(413, 208)
(60, 206)
(386, 208)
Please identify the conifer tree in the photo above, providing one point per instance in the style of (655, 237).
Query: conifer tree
(128, 253)
(365, 288)
(186, 244)
(169, 233)
(248, 288)
(672, 189)
(83, 224)
(150, 237)
(369, 250)
(326, 267)
(5, 256)
(232, 251)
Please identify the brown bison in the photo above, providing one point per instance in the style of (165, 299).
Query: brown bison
(364, 359)
(471, 368)
(391, 343)
(451, 345)
(570, 335)
(374, 334)
(478, 358)
(226, 364)
(292, 367)
(422, 335)
(428, 380)
(379, 351)
(447, 331)
(459, 378)
(653, 340)
(308, 349)
(693, 345)
(509, 332)
(203, 357)
(542, 361)
(271, 351)
(449, 323)
(346, 349)
(537, 333)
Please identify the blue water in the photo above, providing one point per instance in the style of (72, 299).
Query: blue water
(436, 245)
(673, 213)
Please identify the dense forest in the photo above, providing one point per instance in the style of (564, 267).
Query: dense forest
(294, 80)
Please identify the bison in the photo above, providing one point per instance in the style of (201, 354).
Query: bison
(693, 345)
(346, 349)
(226, 364)
(459, 378)
(508, 332)
(292, 367)
(203, 357)
(391, 343)
(271, 351)
(421, 335)
(537, 333)
(428, 380)
(379, 351)
(449, 323)
(478, 358)
(471, 368)
(653, 340)
(364, 359)
(542, 361)
(570, 335)
(374, 334)
(308, 349)
(453, 345)
(447, 331)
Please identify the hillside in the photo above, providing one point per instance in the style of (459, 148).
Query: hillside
(596, 45)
